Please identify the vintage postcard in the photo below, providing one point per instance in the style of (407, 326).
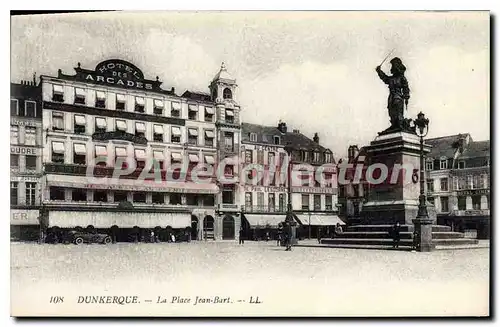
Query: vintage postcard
(239, 164)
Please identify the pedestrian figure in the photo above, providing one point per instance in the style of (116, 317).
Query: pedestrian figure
(152, 237)
(319, 236)
(338, 230)
(242, 239)
(395, 234)
(416, 239)
(267, 235)
(279, 237)
(172, 238)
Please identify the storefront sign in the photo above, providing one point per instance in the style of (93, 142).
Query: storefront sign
(251, 188)
(119, 135)
(23, 150)
(144, 188)
(32, 179)
(471, 212)
(317, 190)
(24, 217)
(117, 72)
(473, 192)
(268, 148)
(30, 122)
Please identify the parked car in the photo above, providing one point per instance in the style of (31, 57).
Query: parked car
(80, 237)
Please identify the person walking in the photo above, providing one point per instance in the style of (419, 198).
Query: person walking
(319, 236)
(242, 236)
(396, 236)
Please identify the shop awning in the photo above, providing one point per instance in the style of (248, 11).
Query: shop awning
(120, 97)
(80, 120)
(209, 134)
(106, 219)
(140, 154)
(209, 110)
(158, 103)
(176, 156)
(158, 129)
(101, 151)
(193, 107)
(121, 152)
(100, 95)
(176, 131)
(80, 92)
(176, 105)
(58, 89)
(262, 220)
(193, 132)
(229, 112)
(158, 155)
(80, 149)
(121, 125)
(209, 160)
(58, 147)
(193, 158)
(139, 101)
(100, 122)
(319, 220)
(140, 127)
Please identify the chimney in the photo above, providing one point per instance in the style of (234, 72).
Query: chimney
(34, 79)
(352, 152)
(282, 127)
(296, 131)
(316, 138)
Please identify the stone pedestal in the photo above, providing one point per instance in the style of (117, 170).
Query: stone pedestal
(396, 198)
(423, 234)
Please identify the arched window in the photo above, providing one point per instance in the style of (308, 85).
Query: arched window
(227, 94)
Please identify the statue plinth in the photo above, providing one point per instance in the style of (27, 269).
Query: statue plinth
(397, 198)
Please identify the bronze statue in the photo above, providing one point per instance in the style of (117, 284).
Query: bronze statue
(399, 94)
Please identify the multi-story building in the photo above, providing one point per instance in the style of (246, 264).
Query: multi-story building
(25, 159)
(223, 90)
(352, 192)
(314, 200)
(133, 127)
(458, 183)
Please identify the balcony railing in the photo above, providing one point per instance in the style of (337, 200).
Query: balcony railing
(98, 171)
(263, 209)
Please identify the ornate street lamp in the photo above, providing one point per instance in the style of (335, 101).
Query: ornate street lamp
(422, 223)
(290, 224)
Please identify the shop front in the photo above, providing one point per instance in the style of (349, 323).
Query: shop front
(24, 224)
(315, 224)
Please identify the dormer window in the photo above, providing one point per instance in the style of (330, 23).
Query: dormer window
(328, 157)
(443, 163)
(176, 109)
(139, 104)
(277, 140)
(79, 96)
(316, 156)
(253, 137)
(461, 164)
(158, 107)
(120, 102)
(57, 93)
(429, 164)
(227, 94)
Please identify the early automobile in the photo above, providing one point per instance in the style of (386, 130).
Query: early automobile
(80, 237)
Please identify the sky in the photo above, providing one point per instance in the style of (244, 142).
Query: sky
(313, 70)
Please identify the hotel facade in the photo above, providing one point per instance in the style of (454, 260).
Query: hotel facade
(116, 115)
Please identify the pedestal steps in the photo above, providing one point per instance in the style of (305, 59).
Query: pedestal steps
(378, 235)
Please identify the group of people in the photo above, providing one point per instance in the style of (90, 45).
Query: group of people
(395, 234)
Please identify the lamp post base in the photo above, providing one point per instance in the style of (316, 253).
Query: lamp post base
(423, 234)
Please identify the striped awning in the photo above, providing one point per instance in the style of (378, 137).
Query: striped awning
(320, 220)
